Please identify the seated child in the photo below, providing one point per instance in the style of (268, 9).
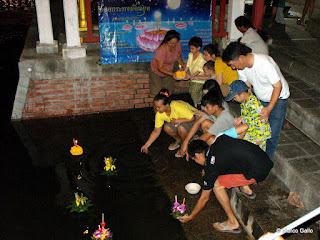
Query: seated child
(258, 131)
(209, 73)
(194, 65)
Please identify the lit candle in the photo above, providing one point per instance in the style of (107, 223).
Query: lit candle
(75, 142)
(102, 217)
(180, 67)
(175, 198)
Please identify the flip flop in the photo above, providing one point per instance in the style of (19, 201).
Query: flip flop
(249, 196)
(228, 229)
(177, 155)
(174, 146)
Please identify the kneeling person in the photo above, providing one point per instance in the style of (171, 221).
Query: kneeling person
(228, 163)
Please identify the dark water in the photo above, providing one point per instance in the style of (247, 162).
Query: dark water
(38, 175)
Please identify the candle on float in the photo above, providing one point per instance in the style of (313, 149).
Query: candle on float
(183, 200)
(180, 67)
(175, 198)
(75, 142)
(102, 217)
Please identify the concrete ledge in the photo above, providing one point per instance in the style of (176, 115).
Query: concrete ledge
(43, 48)
(313, 27)
(73, 52)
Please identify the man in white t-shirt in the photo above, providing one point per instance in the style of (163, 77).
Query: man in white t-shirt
(263, 74)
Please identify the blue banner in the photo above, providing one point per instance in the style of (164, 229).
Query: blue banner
(131, 30)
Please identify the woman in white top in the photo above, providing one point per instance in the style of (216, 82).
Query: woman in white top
(250, 36)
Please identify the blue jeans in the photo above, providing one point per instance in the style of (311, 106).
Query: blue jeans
(276, 120)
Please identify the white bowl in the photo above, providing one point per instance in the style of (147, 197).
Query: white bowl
(193, 188)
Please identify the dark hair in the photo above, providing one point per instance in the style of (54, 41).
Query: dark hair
(163, 96)
(212, 98)
(195, 41)
(234, 50)
(170, 35)
(212, 49)
(213, 86)
(243, 21)
(197, 146)
(210, 65)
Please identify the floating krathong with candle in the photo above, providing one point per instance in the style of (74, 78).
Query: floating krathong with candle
(178, 210)
(180, 74)
(76, 150)
(109, 168)
(80, 203)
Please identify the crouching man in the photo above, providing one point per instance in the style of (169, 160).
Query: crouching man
(228, 163)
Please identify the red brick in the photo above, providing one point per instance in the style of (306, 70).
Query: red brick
(61, 112)
(105, 78)
(77, 80)
(98, 94)
(57, 92)
(69, 81)
(41, 82)
(143, 80)
(98, 100)
(143, 90)
(49, 98)
(121, 87)
(146, 86)
(35, 109)
(52, 108)
(96, 104)
(128, 96)
(41, 93)
(57, 81)
(48, 87)
(82, 95)
(83, 105)
(93, 79)
(141, 95)
(105, 88)
(121, 77)
(136, 86)
(136, 76)
(28, 115)
(72, 90)
(96, 84)
(30, 94)
(148, 100)
(113, 83)
(39, 104)
(121, 102)
(34, 99)
(67, 96)
(141, 105)
(130, 106)
(65, 86)
(113, 93)
(128, 81)
(67, 106)
(115, 97)
(129, 92)
(135, 101)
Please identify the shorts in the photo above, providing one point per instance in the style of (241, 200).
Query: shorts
(234, 180)
(195, 91)
(186, 126)
(224, 89)
(274, 3)
(156, 83)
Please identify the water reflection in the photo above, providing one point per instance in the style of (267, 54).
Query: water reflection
(135, 204)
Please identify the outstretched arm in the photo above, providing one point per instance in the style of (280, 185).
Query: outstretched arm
(153, 136)
(205, 195)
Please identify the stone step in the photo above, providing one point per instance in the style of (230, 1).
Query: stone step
(271, 211)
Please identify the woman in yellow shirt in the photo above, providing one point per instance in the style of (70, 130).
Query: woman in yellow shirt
(225, 75)
(176, 117)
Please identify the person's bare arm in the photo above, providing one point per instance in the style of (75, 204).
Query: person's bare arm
(162, 70)
(219, 79)
(153, 136)
(205, 195)
(182, 120)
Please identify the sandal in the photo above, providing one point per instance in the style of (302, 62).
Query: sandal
(249, 196)
(178, 155)
(174, 146)
(227, 228)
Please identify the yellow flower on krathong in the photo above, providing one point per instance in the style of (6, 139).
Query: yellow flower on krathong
(82, 202)
(107, 168)
(78, 203)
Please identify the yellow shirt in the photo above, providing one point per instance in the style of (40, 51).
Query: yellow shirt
(229, 75)
(179, 109)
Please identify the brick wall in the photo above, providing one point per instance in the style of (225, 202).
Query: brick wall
(56, 97)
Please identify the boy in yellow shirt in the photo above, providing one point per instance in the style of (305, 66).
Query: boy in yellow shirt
(194, 65)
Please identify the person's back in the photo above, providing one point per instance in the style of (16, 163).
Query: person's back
(253, 40)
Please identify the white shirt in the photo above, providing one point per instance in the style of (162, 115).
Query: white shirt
(253, 40)
(262, 75)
